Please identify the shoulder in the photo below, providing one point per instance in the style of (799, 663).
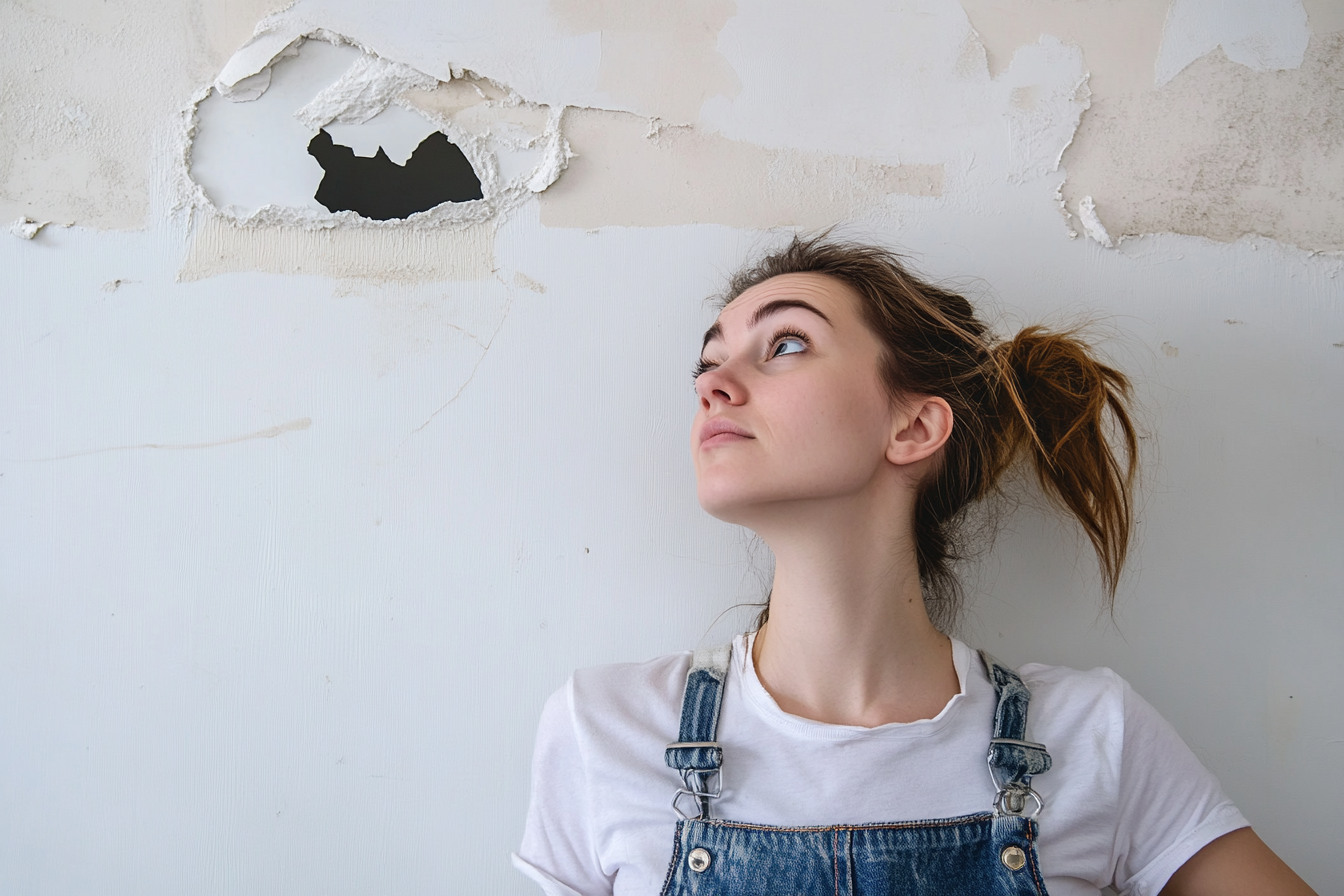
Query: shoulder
(619, 706)
(1066, 698)
(630, 686)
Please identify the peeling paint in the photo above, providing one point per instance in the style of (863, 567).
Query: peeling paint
(236, 143)
(1264, 35)
(630, 171)
(1092, 226)
(252, 182)
(660, 60)
(1119, 41)
(1221, 151)
(27, 228)
(1049, 94)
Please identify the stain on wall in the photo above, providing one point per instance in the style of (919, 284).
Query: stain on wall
(658, 59)
(631, 171)
(1221, 151)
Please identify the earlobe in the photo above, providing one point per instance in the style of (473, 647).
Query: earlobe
(919, 429)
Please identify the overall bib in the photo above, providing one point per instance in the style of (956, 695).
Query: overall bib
(991, 853)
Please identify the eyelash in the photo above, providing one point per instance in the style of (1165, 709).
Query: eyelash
(703, 366)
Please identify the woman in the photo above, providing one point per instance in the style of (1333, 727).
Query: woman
(849, 414)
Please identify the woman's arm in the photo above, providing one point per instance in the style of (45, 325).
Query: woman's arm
(1236, 864)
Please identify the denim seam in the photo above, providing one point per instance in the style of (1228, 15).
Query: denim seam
(835, 859)
(676, 857)
(1031, 851)
(880, 826)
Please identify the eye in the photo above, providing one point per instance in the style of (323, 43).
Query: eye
(700, 367)
(789, 342)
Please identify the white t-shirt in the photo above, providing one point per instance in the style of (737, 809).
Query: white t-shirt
(1126, 802)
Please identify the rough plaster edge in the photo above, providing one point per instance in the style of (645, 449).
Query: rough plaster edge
(1092, 226)
(272, 44)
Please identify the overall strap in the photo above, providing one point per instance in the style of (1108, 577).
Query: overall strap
(696, 754)
(1012, 758)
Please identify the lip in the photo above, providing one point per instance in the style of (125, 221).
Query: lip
(719, 431)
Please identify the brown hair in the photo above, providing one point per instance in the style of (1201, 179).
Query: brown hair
(1043, 393)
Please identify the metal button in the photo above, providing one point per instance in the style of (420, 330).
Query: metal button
(698, 860)
(1013, 857)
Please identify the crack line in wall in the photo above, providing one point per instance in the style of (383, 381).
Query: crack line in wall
(269, 432)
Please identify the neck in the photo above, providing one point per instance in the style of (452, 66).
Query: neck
(848, 640)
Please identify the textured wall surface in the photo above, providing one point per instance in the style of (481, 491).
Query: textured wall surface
(303, 515)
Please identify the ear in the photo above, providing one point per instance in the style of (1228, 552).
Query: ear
(919, 427)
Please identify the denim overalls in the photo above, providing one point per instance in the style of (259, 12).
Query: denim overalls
(991, 853)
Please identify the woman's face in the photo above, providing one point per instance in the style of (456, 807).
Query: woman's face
(792, 407)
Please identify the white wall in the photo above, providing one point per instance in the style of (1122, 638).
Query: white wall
(295, 545)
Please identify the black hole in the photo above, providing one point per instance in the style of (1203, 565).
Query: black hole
(379, 188)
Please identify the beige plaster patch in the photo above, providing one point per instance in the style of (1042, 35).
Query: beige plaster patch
(629, 172)
(219, 246)
(658, 59)
(1119, 40)
(1324, 16)
(1221, 151)
(77, 149)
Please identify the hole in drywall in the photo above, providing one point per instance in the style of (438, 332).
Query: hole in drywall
(377, 187)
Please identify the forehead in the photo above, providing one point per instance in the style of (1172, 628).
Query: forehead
(831, 296)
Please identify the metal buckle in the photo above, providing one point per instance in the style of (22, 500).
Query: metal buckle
(1013, 801)
(1011, 798)
(698, 791)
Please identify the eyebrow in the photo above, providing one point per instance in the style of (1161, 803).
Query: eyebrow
(774, 306)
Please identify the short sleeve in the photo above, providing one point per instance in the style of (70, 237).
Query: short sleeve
(1170, 805)
(558, 851)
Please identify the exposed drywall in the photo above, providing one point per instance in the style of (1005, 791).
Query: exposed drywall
(1119, 40)
(218, 245)
(658, 59)
(630, 171)
(253, 179)
(86, 100)
(1221, 151)
(1324, 16)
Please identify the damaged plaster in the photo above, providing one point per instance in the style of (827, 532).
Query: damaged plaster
(1221, 151)
(1049, 94)
(1265, 35)
(633, 172)
(253, 180)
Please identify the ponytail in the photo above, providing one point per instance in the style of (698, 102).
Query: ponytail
(1052, 400)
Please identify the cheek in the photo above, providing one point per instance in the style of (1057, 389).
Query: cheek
(838, 432)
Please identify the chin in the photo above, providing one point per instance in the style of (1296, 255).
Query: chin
(727, 504)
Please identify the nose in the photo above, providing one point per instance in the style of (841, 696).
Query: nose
(718, 385)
